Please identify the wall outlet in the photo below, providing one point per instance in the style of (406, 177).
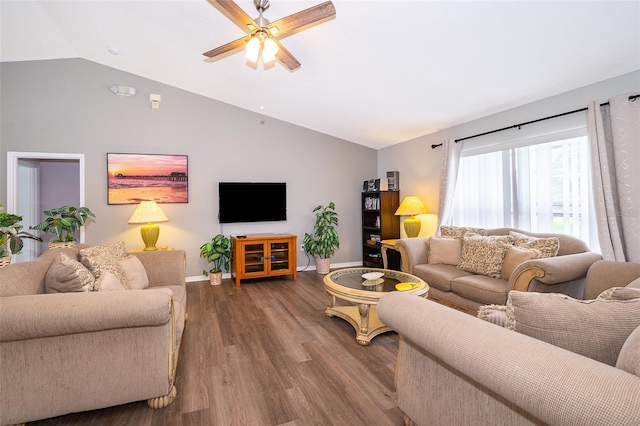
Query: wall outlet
(301, 247)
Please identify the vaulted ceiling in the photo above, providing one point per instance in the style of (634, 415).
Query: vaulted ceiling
(380, 73)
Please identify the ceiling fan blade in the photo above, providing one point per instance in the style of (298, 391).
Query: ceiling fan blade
(286, 58)
(234, 13)
(304, 19)
(227, 49)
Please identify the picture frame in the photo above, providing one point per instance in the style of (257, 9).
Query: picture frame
(132, 178)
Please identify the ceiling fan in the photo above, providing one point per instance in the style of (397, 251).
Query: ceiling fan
(264, 36)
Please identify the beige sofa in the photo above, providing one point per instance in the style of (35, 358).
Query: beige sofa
(564, 273)
(455, 369)
(70, 352)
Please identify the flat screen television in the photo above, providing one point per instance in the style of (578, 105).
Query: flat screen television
(252, 201)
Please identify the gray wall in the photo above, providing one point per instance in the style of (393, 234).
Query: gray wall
(66, 106)
(419, 165)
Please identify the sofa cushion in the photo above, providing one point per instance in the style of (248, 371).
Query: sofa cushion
(439, 275)
(135, 272)
(620, 293)
(593, 328)
(105, 258)
(481, 288)
(484, 255)
(67, 275)
(460, 231)
(108, 282)
(445, 250)
(548, 247)
(514, 257)
(629, 358)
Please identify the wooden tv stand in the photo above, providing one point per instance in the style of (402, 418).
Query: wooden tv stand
(263, 255)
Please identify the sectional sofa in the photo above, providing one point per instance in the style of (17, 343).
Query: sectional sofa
(71, 341)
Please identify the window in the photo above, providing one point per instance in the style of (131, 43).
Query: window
(540, 185)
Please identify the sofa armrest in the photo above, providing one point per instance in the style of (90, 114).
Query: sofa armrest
(533, 375)
(552, 270)
(413, 251)
(164, 267)
(47, 315)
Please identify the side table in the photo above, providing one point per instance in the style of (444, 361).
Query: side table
(390, 260)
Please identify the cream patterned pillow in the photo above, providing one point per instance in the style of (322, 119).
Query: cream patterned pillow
(593, 328)
(459, 231)
(514, 257)
(548, 247)
(135, 272)
(103, 258)
(67, 275)
(445, 250)
(484, 255)
(619, 293)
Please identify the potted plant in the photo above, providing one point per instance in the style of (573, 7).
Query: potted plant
(218, 252)
(63, 222)
(11, 235)
(324, 241)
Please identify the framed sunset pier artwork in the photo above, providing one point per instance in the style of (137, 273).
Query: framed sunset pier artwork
(147, 177)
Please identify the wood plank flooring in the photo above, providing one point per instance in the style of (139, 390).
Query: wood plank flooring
(266, 354)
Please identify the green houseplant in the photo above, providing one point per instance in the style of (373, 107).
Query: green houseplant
(11, 234)
(218, 252)
(322, 244)
(63, 222)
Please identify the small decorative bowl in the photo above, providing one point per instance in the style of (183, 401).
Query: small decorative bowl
(372, 275)
(406, 286)
(372, 282)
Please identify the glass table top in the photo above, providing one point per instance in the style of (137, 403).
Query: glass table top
(353, 278)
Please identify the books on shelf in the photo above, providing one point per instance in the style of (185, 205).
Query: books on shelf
(372, 203)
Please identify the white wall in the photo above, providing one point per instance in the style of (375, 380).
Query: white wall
(419, 165)
(66, 106)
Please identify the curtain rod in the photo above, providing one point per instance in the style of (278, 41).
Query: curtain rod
(631, 98)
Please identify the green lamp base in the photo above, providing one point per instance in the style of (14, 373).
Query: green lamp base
(412, 227)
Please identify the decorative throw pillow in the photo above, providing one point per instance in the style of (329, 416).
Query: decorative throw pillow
(105, 258)
(495, 314)
(619, 293)
(135, 272)
(484, 255)
(514, 257)
(67, 275)
(629, 358)
(634, 284)
(445, 250)
(593, 328)
(548, 247)
(459, 231)
(108, 282)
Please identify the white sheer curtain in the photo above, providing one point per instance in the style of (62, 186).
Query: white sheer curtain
(614, 135)
(448, 177)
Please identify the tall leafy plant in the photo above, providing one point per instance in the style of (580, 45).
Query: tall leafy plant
(64, 221)
(324, 241)
(11, 233)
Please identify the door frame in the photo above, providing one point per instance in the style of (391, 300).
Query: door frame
(12, 175)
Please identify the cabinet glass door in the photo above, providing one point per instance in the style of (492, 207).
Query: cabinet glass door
(254, 257)
(279, 255)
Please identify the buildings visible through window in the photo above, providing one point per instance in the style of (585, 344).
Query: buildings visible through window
(543, 186)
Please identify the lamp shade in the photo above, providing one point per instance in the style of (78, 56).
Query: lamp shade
(411, 206)
(148, 211)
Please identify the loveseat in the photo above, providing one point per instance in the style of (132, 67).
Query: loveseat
(437, 261)
(456, 369)
(65, 350)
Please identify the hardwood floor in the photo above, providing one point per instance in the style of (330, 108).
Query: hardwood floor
(266, 354)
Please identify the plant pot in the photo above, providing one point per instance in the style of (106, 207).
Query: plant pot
(61, 244)
(5, 260)
(323, 266)
(215, 278)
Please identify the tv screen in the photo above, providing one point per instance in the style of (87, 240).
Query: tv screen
(252, 201)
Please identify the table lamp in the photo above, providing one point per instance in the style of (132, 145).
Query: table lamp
(411, 206)
(148, 212)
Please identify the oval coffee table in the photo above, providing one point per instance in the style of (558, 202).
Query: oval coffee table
(349, 285)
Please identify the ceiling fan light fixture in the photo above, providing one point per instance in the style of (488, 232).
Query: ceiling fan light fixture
(269, 50)
(253, 49)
